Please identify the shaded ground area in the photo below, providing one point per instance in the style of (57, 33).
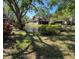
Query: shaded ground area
(40, 47)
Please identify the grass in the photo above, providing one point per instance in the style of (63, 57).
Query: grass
(58, 49)
(53, 47)
(33, 25)
(22, 44)
(19, 32)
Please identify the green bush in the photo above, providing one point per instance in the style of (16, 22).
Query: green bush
(67, 28)
(49, 29)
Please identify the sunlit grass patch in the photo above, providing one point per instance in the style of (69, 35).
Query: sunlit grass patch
(19, 32)
(22, 44)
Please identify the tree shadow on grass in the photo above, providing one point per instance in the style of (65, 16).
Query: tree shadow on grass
(41, 52)
(62, 37)
(71, 47)
(20, 54)
(47, 51)
(8, 42)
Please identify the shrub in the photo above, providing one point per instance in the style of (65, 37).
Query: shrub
(7, 27)
(49, 29)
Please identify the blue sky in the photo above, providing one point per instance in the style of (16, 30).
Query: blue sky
(53, 10)
(32, 13)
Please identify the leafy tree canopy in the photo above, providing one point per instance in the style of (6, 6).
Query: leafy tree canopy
(66, 8)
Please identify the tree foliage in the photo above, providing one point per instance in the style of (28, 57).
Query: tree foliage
(20, 8)
(66, 8)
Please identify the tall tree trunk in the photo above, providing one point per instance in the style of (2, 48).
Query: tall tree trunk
(21, 25)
